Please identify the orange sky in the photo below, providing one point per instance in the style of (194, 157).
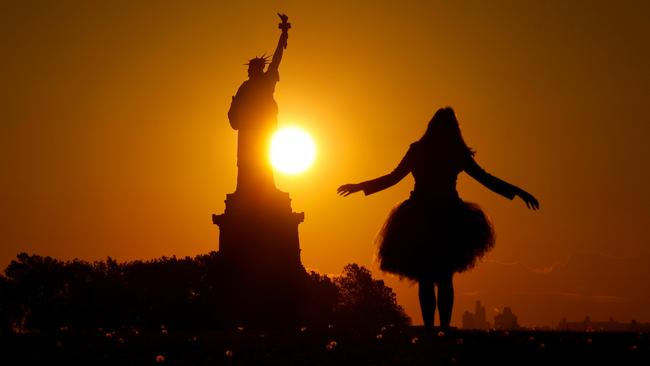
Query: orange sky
(114, 139)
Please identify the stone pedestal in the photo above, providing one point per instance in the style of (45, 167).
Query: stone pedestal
(259, 244)
(259, 230)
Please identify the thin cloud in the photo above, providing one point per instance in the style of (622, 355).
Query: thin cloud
(470, 293)
(537, 270)
(596, 298)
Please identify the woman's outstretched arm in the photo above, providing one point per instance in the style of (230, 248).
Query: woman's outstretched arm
(378, 184)
(499, 186)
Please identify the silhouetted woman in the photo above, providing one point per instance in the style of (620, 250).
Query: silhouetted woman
(434, 234)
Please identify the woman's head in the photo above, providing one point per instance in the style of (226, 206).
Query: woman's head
(444, 131)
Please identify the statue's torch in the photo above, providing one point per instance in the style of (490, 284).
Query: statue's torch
(284, 25)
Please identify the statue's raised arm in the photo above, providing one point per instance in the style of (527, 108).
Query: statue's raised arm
(282, 43)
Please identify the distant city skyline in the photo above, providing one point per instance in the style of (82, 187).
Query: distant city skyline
(506, 319)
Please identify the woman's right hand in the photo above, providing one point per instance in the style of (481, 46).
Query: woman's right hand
(348, 189)
(531, 202)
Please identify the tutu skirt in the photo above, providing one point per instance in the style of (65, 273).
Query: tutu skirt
(427, 240)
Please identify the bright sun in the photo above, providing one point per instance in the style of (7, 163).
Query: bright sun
(292, 150)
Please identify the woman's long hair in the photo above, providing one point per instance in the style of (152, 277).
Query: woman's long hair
(443, 134)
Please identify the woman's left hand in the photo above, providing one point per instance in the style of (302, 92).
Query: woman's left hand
(348, 189)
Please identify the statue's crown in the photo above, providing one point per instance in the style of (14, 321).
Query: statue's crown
(258, 61)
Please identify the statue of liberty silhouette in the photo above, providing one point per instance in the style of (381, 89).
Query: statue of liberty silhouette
(253, 113)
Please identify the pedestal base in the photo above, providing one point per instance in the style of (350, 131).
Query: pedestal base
(260, 231)
(259, 244)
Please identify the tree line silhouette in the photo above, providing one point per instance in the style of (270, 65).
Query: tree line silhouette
(46, 294)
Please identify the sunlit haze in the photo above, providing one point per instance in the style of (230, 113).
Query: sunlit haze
(292, 150)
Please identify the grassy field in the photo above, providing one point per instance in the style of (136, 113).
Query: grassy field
(324, 346)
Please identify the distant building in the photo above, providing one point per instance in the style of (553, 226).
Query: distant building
(477, 319)
(506, 320)
(611, 325)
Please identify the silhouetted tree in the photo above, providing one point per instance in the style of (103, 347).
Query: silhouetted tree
(47, 294)
(319, 299)
(8, 308)
(38, 284)
(364, 300)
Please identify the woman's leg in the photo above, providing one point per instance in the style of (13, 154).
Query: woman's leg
(427, 302)
(446, 299)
